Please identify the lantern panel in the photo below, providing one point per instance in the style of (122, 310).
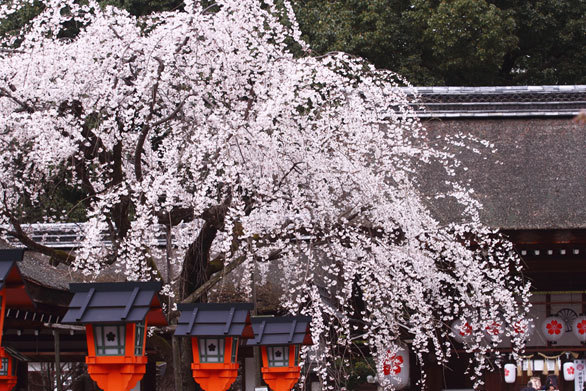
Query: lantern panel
(139, 339)
(110, 340)
(4, 366)
(553, 328)
(579, 328)
(396, 367)
(510, 372)
(211, 350)
(461, 331)
(278, 356)
(569, 371)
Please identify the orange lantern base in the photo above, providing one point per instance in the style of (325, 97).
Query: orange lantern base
(7, 383)
(214, 377)
(281, 378)
(116, 373)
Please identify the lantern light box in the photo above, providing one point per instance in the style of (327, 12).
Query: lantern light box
(280, 339)
(215, 330)
(116, 316)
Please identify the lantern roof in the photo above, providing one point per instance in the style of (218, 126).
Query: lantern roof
(115, 302)
(215, 319)
(285, 330)
(8, 259)
(11, 278)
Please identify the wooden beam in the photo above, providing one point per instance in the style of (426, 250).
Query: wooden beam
(543, 236)
(57, 361)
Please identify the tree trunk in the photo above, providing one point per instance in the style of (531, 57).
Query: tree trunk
(193, 275)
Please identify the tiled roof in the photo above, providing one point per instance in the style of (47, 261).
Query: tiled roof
(515, 101)
(281, 331)
(8, 259)
(210, 319)
(114, 303)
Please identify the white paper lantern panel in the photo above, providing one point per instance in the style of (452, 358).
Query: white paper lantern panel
(553, 328)
(493, 329)
(579, 328)
(396, 368)
(525, 328)
(569, 371)
(510, 371)
(461, 331)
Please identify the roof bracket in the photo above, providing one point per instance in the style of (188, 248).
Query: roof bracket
(88, 298)
(261, 331)
(192, 320)
(130, 303)
(292, 331)
(229, 321)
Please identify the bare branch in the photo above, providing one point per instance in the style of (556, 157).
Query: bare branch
(213, 280)
(293, 167)
(173, 113)
(209, 284)
(25, 106)
(145, 128)
(56, 255)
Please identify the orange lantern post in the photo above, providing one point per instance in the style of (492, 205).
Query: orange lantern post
(13, 294)
(280, 339)
(215, 330)
(116, 316)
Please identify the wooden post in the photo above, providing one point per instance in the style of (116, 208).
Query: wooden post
(57, 360)
(22, 376)
(149, 381)
(255, 349)
(177, 363)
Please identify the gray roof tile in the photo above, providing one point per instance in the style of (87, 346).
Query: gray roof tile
(281, 331)
(500, 101)
(122, 302)
(211, 319)
(8, 259)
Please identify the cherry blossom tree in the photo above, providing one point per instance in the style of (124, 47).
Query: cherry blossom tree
(216, 127)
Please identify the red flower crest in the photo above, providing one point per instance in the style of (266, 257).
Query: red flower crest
(582, 327)
(494, 328)
(465, 329)
(571, 370)
(520, 328)
(554, 327)
(507, 372)
(393, 364)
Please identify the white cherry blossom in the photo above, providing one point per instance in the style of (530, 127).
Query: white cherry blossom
(313, 160)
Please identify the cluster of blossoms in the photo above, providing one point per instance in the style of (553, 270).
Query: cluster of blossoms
(314, 160)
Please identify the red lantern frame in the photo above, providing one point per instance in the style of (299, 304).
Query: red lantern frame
(226, 322)
(128, 306)
(215, 376)
(281, 378)
(116, 373)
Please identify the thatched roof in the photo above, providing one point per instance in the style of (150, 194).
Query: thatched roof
(35, 269)
(535, 175)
